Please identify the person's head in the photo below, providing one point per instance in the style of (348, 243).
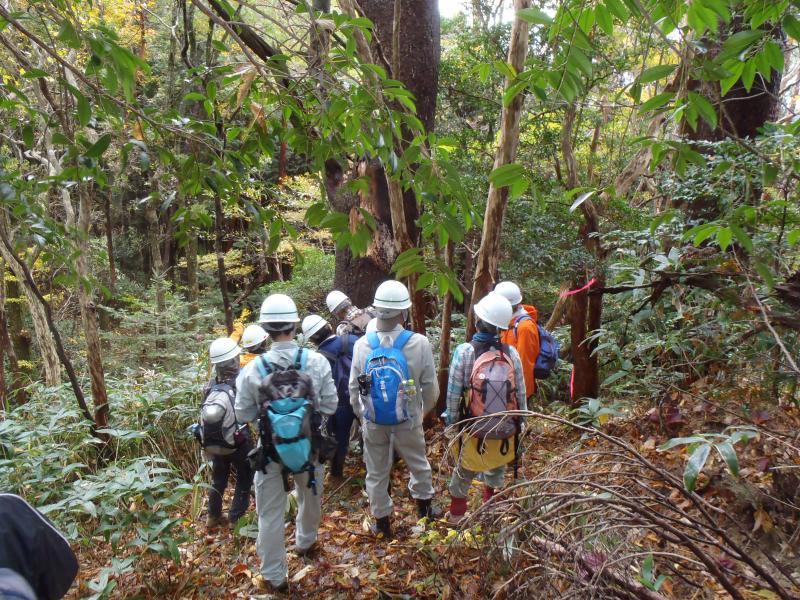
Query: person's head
(224, 355)
(493, 313)
(254, 339)
(338, 303)
(279, 317)
(316, 329)
(511, 292)
(392, 302)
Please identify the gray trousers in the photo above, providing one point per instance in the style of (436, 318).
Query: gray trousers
(462, 479)
(271, 508)
(409, 442)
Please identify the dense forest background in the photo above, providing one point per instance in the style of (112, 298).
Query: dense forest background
(165, 164)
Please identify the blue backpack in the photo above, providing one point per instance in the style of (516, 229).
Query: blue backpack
(341, 362)
(288, 424)
(548, 351)
(386, 373)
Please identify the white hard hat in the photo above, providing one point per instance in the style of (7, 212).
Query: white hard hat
(253, 335)
(495, 310)
(278, 308)
(510, 291)
(334, 299)
(223, 349)
(312, 324)
(392, 296)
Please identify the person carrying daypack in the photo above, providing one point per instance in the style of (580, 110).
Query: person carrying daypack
(36, 560)
(352, 320)
(254, 343)
(289, 391)
(522, 332)
(392, 387)
(486, 381)
(224, 440)
(338, 349)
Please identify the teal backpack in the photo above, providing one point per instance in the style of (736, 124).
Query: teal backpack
(289, 425)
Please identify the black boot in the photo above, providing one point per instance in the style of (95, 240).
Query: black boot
(425, 508)
(337, 465)
(382, 528)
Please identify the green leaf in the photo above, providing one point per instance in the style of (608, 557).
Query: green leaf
(83, 107)
(655, 73)
(579, 59)
(618, 9)
(728, 454)
(512, 91)
(793, 237)
(27, 136)
(749, 74)
(647, 569)
(697, 460)
(742, 237)
(724, 238)
(34, 73)
(581, 199)
(656, 101)
(738, 42)
(101, 145)
(704, 108)
(682, 441)
(792, 26)
(194, 97)
(68, 35)
(766, 274)
(506, 175)
(774, 55)
(535, 16)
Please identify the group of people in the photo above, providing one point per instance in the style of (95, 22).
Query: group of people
(368, 368)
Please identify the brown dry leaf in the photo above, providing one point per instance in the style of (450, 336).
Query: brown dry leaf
(244, 89)
(650, 444)
(241, 568)
(763, 521)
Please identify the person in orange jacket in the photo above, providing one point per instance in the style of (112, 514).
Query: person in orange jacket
(523, 332)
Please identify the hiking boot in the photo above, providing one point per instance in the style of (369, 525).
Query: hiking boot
(337, 467)
(426, 509)
(309, 551)
(281, 588)
(216, 522)
(488, 493)
(382, 528)
(458, 508)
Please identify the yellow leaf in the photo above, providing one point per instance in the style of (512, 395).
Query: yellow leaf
(763, 521)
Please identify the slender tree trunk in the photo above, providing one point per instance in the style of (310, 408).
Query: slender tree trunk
(112, 269)
(489, 253)
(15, 302)
(584, 316)
(444, 340)
(42, 332)
(223, 280)
(17, 390)
(40, 302)
(154, 243)
(192, 288)
(94, 350)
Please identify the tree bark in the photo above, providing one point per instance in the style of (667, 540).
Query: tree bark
(192, 287)
(156, 264)
(585, 377)
(489, 252)
(43, 334)
(220, 251)
(112, 269)
(14, 302)
(444, 340)
(17, 388)
(94, 350)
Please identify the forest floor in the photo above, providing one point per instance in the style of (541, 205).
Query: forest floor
(423, 561)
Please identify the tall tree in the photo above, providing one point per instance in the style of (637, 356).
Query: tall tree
(489, 252)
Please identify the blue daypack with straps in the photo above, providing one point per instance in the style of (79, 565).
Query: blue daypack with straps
(386, 371)
(289, 423)
(548, 350)
(339, 352)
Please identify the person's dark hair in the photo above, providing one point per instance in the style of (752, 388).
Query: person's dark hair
(485, 327)
(278, 328)
(260, 349)
(321, 335)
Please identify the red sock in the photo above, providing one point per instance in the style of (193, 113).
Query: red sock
(488, 492)
(458, 506)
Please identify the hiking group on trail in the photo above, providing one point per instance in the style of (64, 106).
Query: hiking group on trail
(371, 370)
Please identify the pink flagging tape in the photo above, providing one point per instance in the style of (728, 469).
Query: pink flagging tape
(592, 281)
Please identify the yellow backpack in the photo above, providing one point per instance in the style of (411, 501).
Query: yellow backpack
(481, 455)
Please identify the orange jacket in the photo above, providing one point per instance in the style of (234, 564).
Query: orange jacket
(526, 341)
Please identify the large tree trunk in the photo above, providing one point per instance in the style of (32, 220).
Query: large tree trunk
(94, 350)
(489, 253)
(584, 316)
(17, 391)
(42, 333)
(14, 303)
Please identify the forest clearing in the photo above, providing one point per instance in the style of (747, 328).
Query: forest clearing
(506, 291)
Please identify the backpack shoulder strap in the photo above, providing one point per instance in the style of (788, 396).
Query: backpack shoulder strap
(344, 344)
(402, 339)
(263, 365)
(518, 320)
(373, 340)
(300, 359)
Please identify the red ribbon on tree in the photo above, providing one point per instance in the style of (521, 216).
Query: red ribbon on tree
(592, 281)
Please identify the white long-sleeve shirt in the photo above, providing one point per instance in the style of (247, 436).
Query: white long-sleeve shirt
(283, 354)
(419, 357)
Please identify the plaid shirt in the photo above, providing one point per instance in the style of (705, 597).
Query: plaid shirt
(461, 371)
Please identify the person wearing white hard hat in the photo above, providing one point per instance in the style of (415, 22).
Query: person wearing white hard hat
(224, 356)
(352, 320)
(279, 318)
(392, 387)
(522, 332)
(482, 372)
(254, 342)
(338, 349)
